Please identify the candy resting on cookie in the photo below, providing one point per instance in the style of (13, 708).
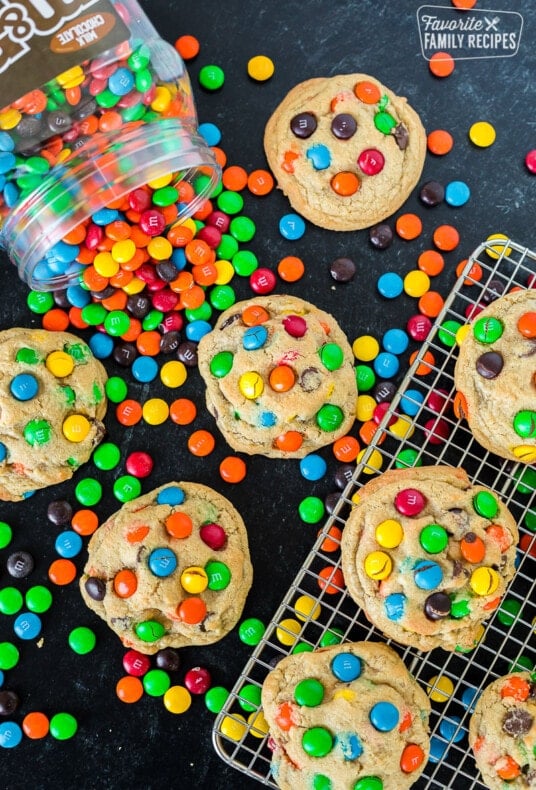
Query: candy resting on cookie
(52, 403)
(343, 717)
(345, 150)
(495, 377)
(428, 556)
(279, 377)
(170, 568)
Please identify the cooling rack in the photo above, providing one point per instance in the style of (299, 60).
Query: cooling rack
(427, 432)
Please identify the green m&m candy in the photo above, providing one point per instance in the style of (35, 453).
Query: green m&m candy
(329, 417)
(331, 355)
(106, 456)
(219, 575)
(37, 432)
(485, 504)
(488, 330)
(221, 364)
(525, 423)
(6, 533)
(215, 698)
(9, 655)
(126, 488)
(82, 640)
(317, 741)
(88, 491)
(311, 509)
(433, 538)
(149, 630)
(222, 297)
(116, 389)
(244, 262)
(63, 726)
(38, 599)
(249, 697)
(11, 600)
(309, 692)
(251, 631)
(28, 356)
(211, 77)
(156, 682)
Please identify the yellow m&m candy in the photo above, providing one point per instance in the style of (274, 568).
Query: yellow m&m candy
(251, 385)
(378, 565)
(389, 533)
(60, 364)
(76, 427)
(484, 580)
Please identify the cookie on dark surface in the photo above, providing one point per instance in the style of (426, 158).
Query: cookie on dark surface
(52, 403)
(495, 377)
(279, 377)
(428, 556)
(345, 714)
(502, 732)
(170, 568)
(345, 150)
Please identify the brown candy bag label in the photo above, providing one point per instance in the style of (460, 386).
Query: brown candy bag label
(40, 39)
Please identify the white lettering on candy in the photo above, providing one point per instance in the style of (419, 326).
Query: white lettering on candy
(21, 21)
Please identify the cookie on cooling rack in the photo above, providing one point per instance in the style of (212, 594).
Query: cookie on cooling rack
(428, 555)
(279, 377)
(502, 732)
(52, 403)
(345, 150)
(495, 377)
(344, 717)
(170, 568)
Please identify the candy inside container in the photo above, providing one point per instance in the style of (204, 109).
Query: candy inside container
(116, 121)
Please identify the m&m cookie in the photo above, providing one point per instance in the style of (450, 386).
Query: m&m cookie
(345, 150)
(495, 377)
(279, 377)
(349, 716)
(52, 403)
(502, 732)
(428, 555)
(170, 568)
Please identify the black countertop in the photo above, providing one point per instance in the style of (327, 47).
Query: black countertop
(142, 745)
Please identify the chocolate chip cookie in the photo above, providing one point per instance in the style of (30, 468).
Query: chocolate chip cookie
(170, 568)
(495, 377)
(279, 377)
(428, 556)
(346, 716)
(345, 150)
(52, 403)
(502, 732)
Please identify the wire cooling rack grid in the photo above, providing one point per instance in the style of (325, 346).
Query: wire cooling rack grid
(429, 434)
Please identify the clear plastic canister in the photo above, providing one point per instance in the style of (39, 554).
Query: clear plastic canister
(91, 134)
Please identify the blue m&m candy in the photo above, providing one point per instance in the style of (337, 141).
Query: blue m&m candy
(395, 606)
(27, 625)
(313, 467)
(291, 227)
(172, 495)
(162, 561)
(10, 734)
(346, 667)
(390, 285)
(427, 575)
(255, 337)
(24, 386)
(384, 716)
